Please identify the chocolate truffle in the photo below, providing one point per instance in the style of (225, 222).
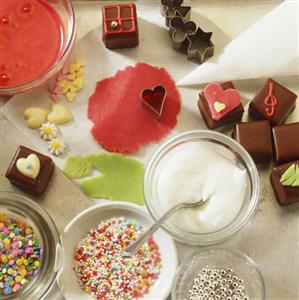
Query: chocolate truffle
(286, 142)
(256, 138)
(272, 102)
(285, 183)
(120, 29)
(30, 170)
(218, 113)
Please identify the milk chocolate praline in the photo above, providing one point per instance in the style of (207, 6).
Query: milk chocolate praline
(233, 116)
(285, 195)
(40, 183)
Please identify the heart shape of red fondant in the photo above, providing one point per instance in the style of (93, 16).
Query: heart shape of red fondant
(154, 100)
(217, 96)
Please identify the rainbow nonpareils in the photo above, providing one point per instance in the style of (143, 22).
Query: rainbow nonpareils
(20, 255)
(104, 273)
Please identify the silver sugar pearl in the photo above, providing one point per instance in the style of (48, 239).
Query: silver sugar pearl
(114, 24)
(223, 281)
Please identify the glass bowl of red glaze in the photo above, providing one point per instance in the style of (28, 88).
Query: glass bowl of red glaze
(37, 36)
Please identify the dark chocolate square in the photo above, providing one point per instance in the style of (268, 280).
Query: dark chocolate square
(37, 185)
(120, 28)
(256, 138)
(285, 195)
(233, 116)
(286, 101)
(286, 142)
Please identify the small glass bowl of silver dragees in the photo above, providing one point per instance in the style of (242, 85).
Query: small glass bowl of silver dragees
(218, 274)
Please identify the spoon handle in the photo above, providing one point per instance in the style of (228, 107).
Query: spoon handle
(132, 249)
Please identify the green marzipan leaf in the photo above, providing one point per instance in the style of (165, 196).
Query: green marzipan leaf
(121, 178)
(291, 176)
(77, 167)
(296, 182)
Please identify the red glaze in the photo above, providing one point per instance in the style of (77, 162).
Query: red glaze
(30, 42)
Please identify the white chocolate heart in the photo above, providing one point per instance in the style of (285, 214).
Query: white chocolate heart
(59, 114)
(35, 116)
(219, 106)
(29, 166)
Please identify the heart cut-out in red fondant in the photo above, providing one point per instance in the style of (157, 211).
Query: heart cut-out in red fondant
(153, 100)
(230, 98)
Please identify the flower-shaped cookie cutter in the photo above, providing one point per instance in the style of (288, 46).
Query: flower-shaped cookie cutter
(172, 8)
(200, 45)
(179, 31)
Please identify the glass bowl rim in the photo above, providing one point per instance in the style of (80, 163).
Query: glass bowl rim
(47, 74)
(223, 233)
(230, 250)
(43, 214)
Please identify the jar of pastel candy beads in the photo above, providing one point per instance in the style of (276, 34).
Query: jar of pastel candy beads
(29, 249)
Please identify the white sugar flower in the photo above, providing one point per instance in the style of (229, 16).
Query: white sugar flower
(56, 146)
(48, 131)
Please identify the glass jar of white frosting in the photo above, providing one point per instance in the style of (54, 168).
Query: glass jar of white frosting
(202, 164)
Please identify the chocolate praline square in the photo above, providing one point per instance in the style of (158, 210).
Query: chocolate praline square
(256, 138)
(264, 101)
(285, 195)
(120, 28)
(286, 142)
(233, 116)
(37, 185)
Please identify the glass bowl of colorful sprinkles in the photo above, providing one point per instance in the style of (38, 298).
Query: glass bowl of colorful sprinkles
(218, 273)
(29, 249)
(93, 265)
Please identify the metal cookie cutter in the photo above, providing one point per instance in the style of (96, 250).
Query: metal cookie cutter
(153, 100)
(172, 8)
(200, 45)
(179, 31)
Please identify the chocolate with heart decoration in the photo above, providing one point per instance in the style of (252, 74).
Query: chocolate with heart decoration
(30, 170)
(220, 105)
(154, 100)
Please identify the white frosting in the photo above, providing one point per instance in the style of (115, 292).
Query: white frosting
(202, 169)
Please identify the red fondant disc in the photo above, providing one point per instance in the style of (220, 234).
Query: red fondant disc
(121, 123)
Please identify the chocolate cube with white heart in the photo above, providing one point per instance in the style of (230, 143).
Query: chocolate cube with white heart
(220, 104)
(30, 170)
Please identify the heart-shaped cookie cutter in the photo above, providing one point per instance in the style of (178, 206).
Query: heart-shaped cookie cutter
(148, 95)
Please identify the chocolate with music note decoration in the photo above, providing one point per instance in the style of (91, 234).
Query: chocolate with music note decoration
(273, 102)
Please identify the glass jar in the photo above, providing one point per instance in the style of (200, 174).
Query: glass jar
(242, 159)
(64, 10)
(219, 258)
(30, 213)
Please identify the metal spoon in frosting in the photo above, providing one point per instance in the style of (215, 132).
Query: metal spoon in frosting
(132, 249)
